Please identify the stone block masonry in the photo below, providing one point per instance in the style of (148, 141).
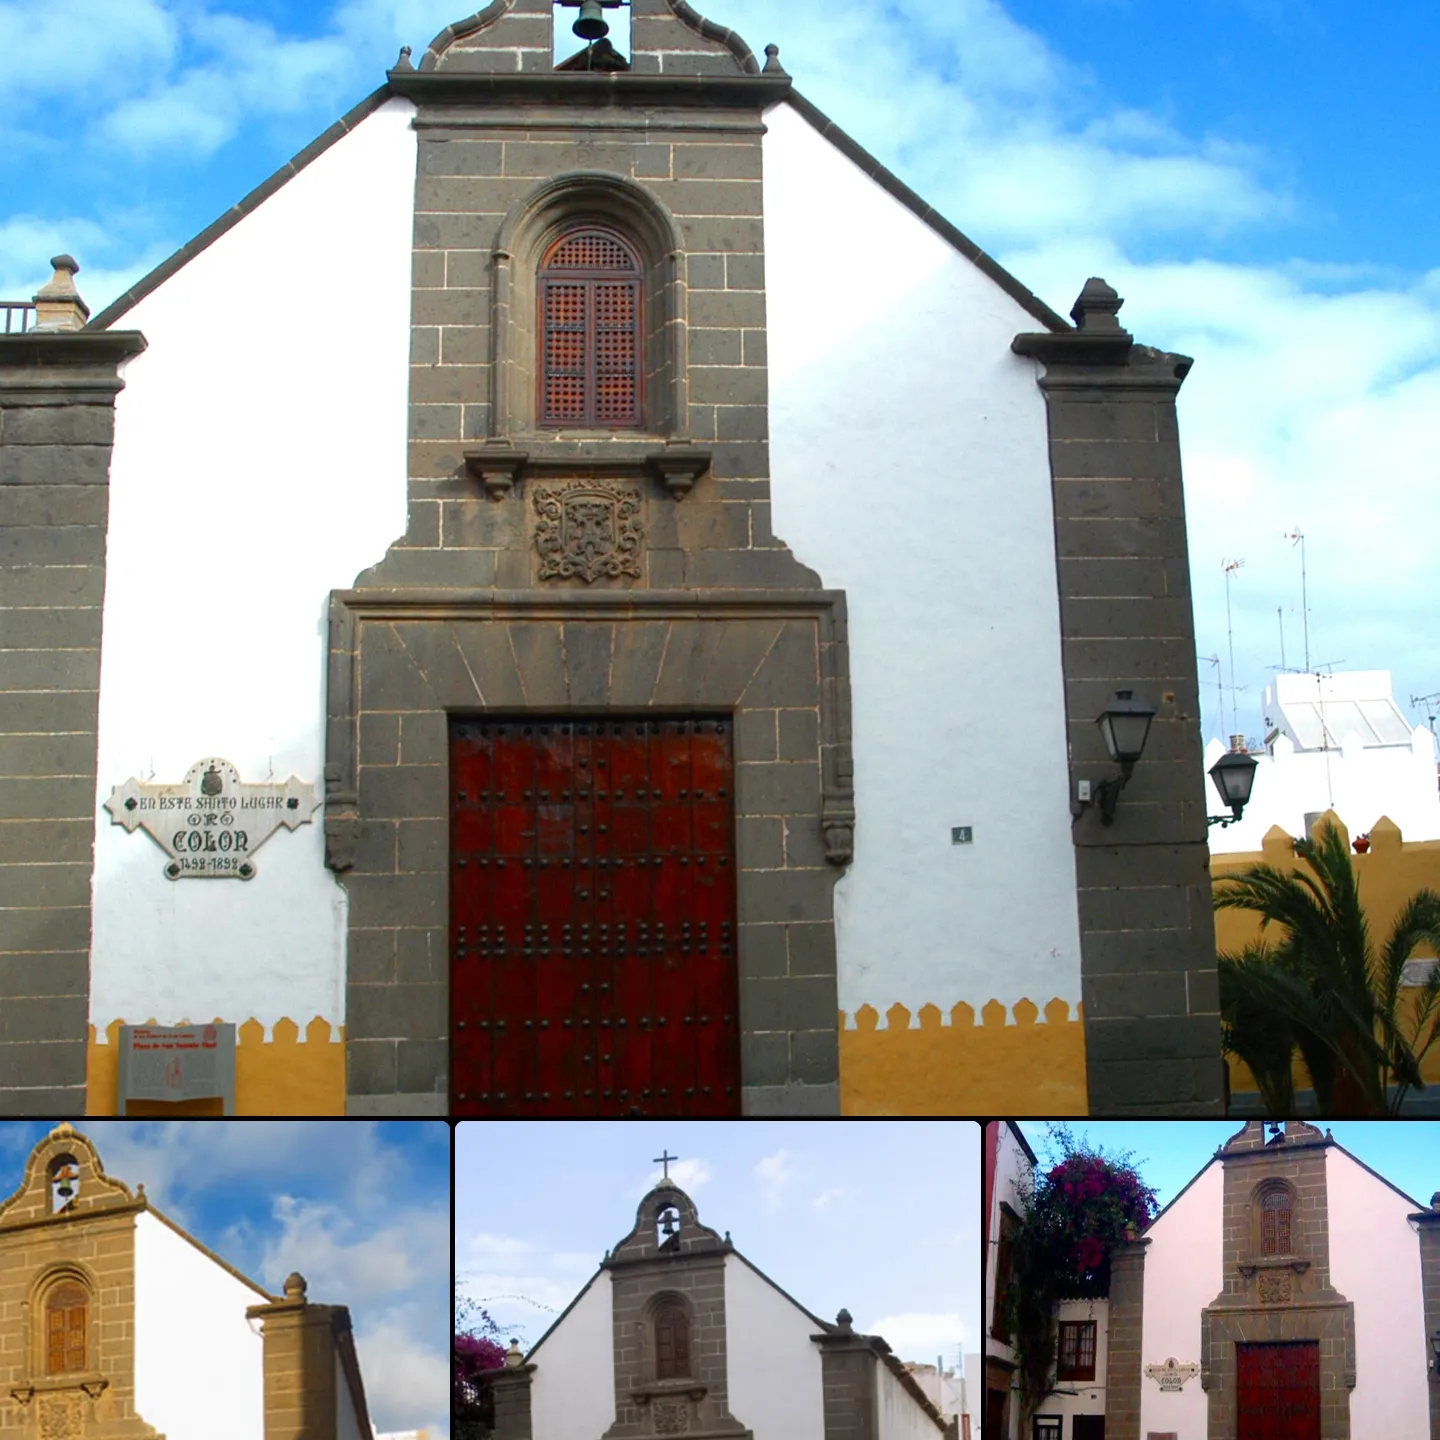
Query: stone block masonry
(57, 396)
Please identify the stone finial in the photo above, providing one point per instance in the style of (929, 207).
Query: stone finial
(1435, 1201)
(514, 1356)
(403, 63)
(58, 305)
(1097, 307)
(63, 1131)
(294, 1286)
(846, 1322)
(772, 61)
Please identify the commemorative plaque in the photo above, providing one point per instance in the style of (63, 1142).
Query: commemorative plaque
(1172, 1375)
(212, 822)
(177, 1062)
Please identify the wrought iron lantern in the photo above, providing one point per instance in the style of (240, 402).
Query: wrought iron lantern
(1234, 777)
(1125, 726)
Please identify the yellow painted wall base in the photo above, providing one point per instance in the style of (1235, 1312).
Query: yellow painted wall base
(963, 1068)
(282, 1076)
(1392, 871)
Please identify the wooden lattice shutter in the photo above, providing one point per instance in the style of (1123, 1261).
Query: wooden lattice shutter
(65, 1328)
(672, 1344)
(1275, 1223)
(590, 315)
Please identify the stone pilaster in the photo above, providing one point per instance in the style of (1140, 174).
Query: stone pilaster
(57, 397)
(510, 1388)
(300, 1366)
(1147, 934)
(1427, 1223)
(1123, 1338)
(850, 1380)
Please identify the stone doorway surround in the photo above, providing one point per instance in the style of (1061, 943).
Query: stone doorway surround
(403, 661)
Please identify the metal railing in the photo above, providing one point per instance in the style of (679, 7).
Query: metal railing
(19, 316)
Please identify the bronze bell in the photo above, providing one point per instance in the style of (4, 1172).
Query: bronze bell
(592, 24)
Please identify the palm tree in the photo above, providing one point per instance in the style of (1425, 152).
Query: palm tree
(1320, 986)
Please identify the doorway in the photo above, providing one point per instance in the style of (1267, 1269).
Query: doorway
(593, 947)
(1278, 1391)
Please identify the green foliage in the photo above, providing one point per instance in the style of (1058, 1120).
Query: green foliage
(1077, 1211)
(1318, 985)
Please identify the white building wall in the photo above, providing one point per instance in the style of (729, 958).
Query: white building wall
(1184, 1267)
(1081, 1397)
(901, 1417)
(910, 467)
(347, 1422)
(259, 461)
(1375, 1263)
(774, 1374)
(573, 1389)
(193, 1342)
(1359, 784)
(1014, 1175)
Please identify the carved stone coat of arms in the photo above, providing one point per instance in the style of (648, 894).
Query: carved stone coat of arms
(589, 529)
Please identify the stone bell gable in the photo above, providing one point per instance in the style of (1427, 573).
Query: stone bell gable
(668, 1278)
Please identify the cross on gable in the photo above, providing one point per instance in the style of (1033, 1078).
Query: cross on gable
(665, 1159)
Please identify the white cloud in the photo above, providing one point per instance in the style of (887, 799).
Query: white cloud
(919, 1337)
(774, 1173)
(522, 1286)
(828, 1197)
(689, 1175)
(95, 47)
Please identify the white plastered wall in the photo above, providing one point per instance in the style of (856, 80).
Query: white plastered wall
(775, 1381)
(1184, 1270)
(1014, 1179)
(901, 1417)
(347, 1421)
(1375, 1263)
(910, 465)
(573, 1389)
(193, 1342)
(259, 462)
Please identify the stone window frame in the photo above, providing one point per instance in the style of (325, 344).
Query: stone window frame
(420, 902)
(1273, 1185)
(50, 1279)
(555, 206)
(664, 1300)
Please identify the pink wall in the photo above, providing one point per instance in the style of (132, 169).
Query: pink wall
(1375, 1262)
(1182, 1276)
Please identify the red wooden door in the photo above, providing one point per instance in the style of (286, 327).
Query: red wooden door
(1278, 1391)
(592, 918)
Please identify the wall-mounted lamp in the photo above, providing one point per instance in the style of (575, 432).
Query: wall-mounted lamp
(1234, 776)
(1435, 1348)
(592, 24)
(1125, 724)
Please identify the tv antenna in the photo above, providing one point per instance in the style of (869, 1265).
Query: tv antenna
(1297, 537)
(1231, 568)
(1428, 701)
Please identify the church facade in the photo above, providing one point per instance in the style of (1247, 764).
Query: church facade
(649, 584)
(118, 1325)
(1288, 1292)
(678, 1334)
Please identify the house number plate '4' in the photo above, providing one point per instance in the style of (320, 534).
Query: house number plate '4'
(212, 823)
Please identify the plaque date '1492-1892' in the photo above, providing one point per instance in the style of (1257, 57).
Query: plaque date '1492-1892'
(212, 822)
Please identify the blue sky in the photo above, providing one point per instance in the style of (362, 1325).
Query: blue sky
(361, 1209)
(1255, 176)
(879, 1217)
(1169, 1154)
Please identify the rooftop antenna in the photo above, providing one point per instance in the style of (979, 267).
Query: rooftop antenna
(1231, 566)
(1297, 537)
(1280, 614)
(1428, 701)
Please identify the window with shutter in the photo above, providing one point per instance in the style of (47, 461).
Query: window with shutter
(1275, 1223)
(672, 1343)
(65, 1329)
(1075, 1359)
(590, 321)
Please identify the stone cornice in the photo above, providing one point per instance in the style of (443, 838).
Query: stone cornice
(51, 349)
(587, 89)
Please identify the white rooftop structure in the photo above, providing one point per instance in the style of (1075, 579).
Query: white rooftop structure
(1334, 742)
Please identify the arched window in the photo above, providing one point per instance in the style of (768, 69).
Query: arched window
(66, 1328)
(591, 297)
(672, 1343)
(1275, 1222)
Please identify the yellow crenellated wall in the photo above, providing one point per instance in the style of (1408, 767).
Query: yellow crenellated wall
(993, 1068)
(285, 1075)
(1392, 871)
